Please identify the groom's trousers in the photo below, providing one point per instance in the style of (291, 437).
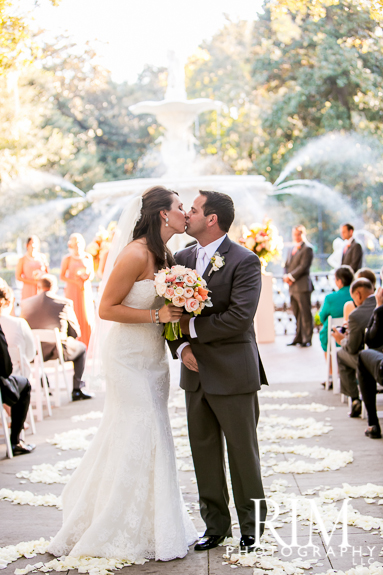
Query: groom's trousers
(211, 418)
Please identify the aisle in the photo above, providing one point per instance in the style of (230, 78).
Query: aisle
(302, 428)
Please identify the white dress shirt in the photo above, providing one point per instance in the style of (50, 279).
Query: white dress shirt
(204, 255)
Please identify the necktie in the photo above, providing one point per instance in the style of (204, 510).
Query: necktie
(202, 261)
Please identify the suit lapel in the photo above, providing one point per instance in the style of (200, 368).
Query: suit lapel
(223, 249)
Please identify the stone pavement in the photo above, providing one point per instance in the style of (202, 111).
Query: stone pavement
(288, 369)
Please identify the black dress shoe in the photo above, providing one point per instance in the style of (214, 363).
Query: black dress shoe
(80, 394)
(356, 408)
(324, 385)
(247, 542)
(373, 432)
(293, 343)
(209, 542)
(21, 448)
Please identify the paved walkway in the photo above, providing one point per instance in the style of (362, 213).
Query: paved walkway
(289, 369)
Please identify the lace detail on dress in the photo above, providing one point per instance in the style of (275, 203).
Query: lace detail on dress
(124, 501)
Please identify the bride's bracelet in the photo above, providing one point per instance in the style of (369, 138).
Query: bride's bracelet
(157, 316)
(151, 316)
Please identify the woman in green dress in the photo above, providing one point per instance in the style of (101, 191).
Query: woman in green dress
(334, 302)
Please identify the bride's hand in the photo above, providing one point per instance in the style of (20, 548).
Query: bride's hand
(170, 313)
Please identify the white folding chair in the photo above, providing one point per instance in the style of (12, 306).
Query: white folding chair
(19, 367)
(4, 421)
(331, 354)
(53, 336)
(40, 377)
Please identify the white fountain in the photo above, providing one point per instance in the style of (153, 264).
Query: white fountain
(177, 115)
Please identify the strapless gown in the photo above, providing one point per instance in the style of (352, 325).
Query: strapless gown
(124, 500)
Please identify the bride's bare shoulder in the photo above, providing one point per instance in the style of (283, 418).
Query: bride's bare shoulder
(136, 250)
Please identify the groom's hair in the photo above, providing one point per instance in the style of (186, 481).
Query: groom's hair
(221, 205)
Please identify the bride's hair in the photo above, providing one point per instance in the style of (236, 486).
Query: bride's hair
(148, 226)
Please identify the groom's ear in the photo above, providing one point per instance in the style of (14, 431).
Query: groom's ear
(212, 219)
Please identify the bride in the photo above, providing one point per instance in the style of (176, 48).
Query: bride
(124, 500)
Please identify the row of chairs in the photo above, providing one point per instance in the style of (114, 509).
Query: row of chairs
(332, 362)
(40, 397)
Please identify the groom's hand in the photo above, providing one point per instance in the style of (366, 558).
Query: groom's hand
(185, 319)
(188, 359)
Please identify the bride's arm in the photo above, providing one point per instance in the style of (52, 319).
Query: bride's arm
(130, 267)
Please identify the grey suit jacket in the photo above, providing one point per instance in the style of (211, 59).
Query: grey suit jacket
(358, 320)
(353, 256)
(298, 265)
(48, 312)
(225, 347)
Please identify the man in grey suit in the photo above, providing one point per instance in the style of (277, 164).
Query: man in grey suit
(47, 311)
(352, 251)
(297, 276)
(362, 292)
(221, 372)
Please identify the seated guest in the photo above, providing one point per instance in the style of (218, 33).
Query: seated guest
(362, 273)
(47, 311)
(362, 292)
(370, 366)
(16, 330)
(16, 393)
(334, 302)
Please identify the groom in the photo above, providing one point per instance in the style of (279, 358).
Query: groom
(221, 372)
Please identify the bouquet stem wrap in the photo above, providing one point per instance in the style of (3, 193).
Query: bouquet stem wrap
(172, 331)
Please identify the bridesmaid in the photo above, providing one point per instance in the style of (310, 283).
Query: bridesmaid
(31, 267)
(77, 271)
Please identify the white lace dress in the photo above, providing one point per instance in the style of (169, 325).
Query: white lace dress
(124, 500)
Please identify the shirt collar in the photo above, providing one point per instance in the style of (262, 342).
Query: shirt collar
(210, 249)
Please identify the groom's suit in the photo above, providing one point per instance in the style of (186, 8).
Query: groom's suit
(221, 399)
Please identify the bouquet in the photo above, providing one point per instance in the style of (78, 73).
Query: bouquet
(264, 240)
(182, 287)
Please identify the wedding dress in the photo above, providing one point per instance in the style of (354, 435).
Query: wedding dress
(124, 501)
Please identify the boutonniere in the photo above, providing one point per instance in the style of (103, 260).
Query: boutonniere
(217, 262)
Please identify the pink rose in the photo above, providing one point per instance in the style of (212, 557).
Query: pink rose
(188, 292)
(179, 301)
(169, 293)
(191, 305)
(170, 278)
(190, 279)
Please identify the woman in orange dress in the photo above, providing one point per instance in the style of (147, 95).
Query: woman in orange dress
(77, 271)
(31, 267)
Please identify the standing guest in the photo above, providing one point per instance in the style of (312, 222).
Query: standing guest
(362, 273)
(77, 271)
(362, 292)
(334, 302)
(352, 251)
(370, 367)
(16, 330)
(16, 393)
(30, 267)
(48, 311)
(297, 276)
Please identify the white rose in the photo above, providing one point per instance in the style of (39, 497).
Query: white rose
(218, 261)
(160, 278)
(179, 291)
(161, 289)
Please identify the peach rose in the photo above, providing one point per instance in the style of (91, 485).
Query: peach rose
(190, 279)
(170, 278)
(169, 293)
(188, 292)
(179, 301)
(191, 305)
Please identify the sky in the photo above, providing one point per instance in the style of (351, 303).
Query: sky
(132, 33)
